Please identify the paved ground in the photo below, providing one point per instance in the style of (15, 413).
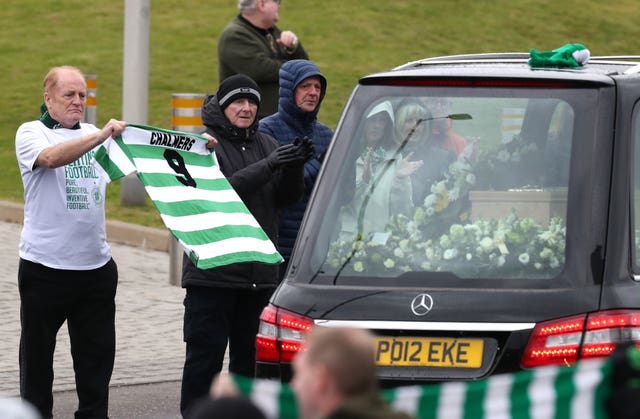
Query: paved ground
(148, 319)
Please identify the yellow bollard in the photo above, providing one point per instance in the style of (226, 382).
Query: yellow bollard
(91, 112)
(185, 117)
(186, 112)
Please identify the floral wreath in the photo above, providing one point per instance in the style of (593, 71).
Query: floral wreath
(439, 235)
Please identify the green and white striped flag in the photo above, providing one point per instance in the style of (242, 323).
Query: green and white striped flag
(576, 392)
(196, 202)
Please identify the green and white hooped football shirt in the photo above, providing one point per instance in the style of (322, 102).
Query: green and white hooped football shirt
(195, 200)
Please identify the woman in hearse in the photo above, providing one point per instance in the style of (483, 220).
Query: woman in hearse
(412, 130)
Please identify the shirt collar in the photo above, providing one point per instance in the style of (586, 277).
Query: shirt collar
(51, 123)
(264, 32)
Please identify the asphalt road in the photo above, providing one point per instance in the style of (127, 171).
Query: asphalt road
(149, 347)
(143, 401)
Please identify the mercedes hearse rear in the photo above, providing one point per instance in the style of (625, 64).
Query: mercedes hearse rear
(491, 228)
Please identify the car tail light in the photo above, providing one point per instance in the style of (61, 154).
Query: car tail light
(564, 341)
(280, 335)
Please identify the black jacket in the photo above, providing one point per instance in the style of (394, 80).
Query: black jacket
(241, 155)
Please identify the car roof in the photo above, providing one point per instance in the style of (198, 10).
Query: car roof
(600, 70)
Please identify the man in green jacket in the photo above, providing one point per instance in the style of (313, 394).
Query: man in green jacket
(252, 44)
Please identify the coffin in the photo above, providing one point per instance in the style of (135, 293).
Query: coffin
(539, 204)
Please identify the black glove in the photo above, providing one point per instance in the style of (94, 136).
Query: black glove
(306, 147)
(285, 154)
(307, 150)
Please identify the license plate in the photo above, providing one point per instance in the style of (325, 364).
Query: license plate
(429, 352)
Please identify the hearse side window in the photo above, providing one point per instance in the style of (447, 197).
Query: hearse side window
(443, 182)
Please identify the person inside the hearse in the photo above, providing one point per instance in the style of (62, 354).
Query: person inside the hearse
(442, 134)
(412, 133)
(557, 151)
(383, 183)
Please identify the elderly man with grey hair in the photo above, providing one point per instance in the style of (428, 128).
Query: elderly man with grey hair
(252, 44)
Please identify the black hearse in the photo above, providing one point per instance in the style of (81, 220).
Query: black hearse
(491, 229)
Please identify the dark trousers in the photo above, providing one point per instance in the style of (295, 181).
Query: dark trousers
(213, 317)
(86, 300)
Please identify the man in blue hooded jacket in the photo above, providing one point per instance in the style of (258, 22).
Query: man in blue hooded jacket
(302, 88)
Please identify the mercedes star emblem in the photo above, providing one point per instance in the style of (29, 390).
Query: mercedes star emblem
(421, 304)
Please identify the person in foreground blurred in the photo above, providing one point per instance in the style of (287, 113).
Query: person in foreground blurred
(623, 401)
(225, 407)
(66, 272)
(335, 377)
(223, 401)
(223, 304)
(15, 408)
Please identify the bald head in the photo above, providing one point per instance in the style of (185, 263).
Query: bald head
(348, 354)
(52, 79)
(65, 95)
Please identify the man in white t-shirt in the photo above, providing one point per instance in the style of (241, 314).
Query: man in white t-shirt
(66, 271)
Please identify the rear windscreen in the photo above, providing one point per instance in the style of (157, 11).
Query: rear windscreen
(469, 182)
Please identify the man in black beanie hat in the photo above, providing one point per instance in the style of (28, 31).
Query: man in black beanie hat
(236, 87)
(223, 304)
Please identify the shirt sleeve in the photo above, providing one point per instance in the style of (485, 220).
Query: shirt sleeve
(30, 141)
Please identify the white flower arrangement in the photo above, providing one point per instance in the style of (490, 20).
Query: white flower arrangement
(514, 164)
(439, 235)
(511, 247)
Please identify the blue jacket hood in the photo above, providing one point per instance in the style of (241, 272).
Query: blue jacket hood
(292, 73)
(290, 123)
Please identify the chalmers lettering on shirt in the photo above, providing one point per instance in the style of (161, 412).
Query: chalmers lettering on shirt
(171, 140)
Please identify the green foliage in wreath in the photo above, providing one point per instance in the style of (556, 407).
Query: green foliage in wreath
(439, 235)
